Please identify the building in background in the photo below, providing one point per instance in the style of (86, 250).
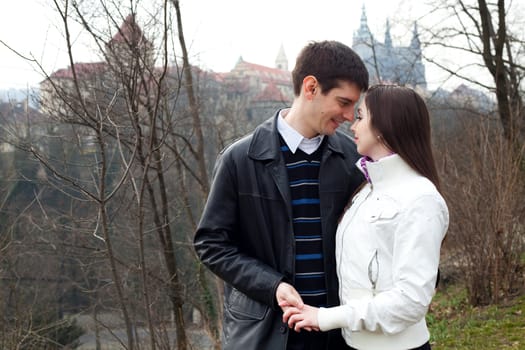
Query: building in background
(388, 63)
(244, 96)
(264, 89)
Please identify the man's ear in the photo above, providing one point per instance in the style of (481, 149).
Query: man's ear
(310, 86)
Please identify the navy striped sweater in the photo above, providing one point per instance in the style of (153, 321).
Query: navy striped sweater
(303, 176)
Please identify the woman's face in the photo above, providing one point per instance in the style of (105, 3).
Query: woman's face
(368, 141)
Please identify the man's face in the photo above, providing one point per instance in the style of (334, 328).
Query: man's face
(333, 109)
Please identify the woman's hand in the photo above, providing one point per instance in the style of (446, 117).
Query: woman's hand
(305, 318)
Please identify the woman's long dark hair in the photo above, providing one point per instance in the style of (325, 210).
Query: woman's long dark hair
(401, 118)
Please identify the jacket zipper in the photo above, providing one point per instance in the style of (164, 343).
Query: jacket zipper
(343, 234)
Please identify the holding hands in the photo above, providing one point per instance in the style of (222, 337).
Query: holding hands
(304, 318)
(296, 314)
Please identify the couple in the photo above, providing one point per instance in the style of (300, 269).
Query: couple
(320, 248)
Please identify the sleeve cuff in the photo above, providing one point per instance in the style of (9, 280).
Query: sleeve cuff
(332, 318)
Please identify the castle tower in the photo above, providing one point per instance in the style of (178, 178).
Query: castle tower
(364, 45)
(363, 34)
(129, 46)
(388, 38)
(387, 62)
(281, 62)
(415, 44)
(419, 68)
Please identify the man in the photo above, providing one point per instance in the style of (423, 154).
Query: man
(269, 224)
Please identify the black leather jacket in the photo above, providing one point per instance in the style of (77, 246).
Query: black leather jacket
(245, 235)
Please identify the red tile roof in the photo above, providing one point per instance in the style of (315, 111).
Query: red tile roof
(83, 70)
(270, 93)
(267, 74)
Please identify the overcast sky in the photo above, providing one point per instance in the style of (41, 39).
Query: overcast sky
(217, 32)
(256, 29)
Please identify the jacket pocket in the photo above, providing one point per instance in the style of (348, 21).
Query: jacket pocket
(244, 308)
(382, 210)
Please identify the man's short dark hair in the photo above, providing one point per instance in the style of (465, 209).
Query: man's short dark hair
(330, 62)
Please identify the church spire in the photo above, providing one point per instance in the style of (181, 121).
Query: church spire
(388, 38)
(415, 43)
(364, 23)
(281, 62)
(363, 34)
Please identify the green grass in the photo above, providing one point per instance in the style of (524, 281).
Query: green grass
(455, 325)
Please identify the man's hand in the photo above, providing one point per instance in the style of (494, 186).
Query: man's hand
(287, 297)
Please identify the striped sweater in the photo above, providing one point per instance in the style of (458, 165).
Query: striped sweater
(303, 176)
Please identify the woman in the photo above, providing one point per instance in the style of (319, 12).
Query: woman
(388, 241)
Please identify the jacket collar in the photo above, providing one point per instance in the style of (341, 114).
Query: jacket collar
(265, 143)
(387, 171)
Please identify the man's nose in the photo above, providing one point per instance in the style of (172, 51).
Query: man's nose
(349, 115)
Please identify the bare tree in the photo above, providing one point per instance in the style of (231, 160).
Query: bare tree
(118, 144)
(483, 31)
(484, 185)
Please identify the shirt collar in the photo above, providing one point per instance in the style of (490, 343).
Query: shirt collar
(294, 139)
